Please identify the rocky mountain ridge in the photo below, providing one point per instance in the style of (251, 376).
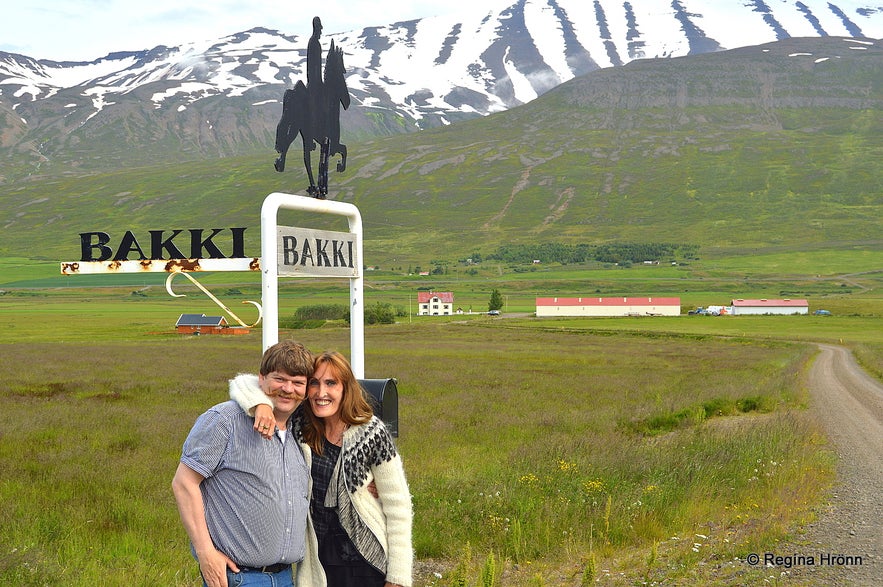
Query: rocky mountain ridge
(223, 97)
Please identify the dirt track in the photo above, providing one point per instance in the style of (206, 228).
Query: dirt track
(850, 405)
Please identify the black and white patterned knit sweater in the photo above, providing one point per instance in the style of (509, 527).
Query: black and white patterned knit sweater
(380, 528)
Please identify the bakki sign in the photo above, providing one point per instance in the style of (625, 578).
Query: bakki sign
(94, 246)
(316, 253)
(301, 252)
(285, 251)
(167, 251)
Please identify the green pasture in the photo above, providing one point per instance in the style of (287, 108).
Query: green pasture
(520, 445)
(848, 280)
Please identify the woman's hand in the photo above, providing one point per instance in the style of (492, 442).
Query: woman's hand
(264, 421)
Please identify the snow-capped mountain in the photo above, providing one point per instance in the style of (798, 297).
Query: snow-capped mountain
(224, 96)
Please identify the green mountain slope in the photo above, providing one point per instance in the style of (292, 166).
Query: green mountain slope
(772, 146)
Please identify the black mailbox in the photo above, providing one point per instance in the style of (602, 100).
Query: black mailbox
(384, 397)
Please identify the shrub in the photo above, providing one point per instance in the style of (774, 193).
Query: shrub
(380, 313)
(323, 312)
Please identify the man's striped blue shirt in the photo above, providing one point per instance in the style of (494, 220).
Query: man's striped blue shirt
(255, 490)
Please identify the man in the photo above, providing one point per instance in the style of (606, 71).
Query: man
(243, 499)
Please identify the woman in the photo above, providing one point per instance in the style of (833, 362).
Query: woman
(362, 540)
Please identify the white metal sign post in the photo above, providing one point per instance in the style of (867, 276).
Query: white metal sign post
(303, 252)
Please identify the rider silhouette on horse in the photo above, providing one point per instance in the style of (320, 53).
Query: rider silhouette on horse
(312, 110)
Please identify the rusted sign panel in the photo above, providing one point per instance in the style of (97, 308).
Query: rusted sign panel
(161, 266)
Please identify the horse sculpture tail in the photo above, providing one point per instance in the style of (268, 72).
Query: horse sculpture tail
(283, 131)
(291, 123)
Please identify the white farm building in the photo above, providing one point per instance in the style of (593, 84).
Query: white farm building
(760, 307)
(615, 306)
(440, 303)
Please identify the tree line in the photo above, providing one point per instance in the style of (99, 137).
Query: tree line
(583, 253)
(314, 316)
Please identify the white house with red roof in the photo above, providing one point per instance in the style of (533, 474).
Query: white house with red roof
(764, 306)
(435, 303)
(615, 306)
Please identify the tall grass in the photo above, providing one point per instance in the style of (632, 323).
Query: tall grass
(514, 442)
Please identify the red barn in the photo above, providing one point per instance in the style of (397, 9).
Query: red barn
(202, 324)
(613, 306)
(764, 306)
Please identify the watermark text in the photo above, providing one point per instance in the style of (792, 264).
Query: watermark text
(820, 559)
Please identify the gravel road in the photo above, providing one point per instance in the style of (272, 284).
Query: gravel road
(850, 405)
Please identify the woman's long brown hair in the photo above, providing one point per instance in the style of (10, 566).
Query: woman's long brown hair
(354, 407)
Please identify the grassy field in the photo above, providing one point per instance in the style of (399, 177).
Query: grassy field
(539, 451)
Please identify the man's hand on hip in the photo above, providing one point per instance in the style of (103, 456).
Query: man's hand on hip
(213, 565)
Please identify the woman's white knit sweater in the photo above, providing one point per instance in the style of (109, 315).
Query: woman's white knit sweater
(380, 528)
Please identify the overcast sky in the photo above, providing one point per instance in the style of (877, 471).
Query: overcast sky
(83, 30)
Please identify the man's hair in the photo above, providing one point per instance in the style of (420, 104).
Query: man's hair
(288, 357)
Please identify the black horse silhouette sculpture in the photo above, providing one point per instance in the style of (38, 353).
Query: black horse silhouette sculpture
(312, 110)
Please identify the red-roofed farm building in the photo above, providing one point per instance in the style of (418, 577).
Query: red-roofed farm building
(435, 303)
(615, 306)
(759, 307)
(202, 324)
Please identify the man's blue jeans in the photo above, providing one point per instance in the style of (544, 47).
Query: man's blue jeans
(257, 579)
